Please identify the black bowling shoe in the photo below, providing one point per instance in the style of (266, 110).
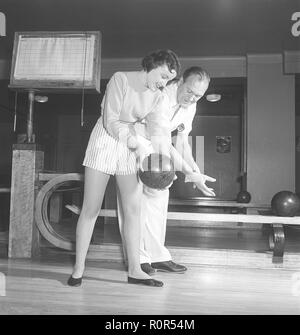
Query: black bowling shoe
(146, 267)
(168, 266)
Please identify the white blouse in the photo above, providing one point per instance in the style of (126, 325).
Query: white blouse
(127, 101)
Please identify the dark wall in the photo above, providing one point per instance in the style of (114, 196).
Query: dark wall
(297, 125)
(132, 28)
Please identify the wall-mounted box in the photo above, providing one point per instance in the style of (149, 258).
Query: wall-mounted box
(56, 61)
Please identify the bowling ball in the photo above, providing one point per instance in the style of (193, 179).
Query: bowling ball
(158, 171)
(285, 203)
(243, 197)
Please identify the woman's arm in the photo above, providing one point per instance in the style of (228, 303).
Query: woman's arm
(112, 106)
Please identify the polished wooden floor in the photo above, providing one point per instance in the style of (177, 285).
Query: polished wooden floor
(230, 272)
(38, 286)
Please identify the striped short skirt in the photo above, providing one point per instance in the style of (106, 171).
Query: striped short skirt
(106, 154)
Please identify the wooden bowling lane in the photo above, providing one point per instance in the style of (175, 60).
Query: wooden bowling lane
(39, 287)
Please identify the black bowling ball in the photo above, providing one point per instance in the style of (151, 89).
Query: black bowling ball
(285, 203)
(243, 197)
(158, 171)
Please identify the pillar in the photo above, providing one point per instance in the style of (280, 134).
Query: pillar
(27, 162)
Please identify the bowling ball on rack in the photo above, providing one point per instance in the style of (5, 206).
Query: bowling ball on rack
(158, 171)
(243, 197)
(285, 203)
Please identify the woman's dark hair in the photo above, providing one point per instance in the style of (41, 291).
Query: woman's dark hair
(196, 70)
(161, 57)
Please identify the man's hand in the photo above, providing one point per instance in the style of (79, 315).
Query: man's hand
(199, 180)
(195, 169)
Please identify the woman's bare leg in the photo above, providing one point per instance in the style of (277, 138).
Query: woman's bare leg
(95, 183)
(131, 194)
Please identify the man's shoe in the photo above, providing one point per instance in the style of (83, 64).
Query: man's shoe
(146, 267)
(147, 282)
(168, 266)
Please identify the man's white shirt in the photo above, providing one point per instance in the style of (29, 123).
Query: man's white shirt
(180, 118)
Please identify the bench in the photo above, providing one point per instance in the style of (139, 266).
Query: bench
(276, 234)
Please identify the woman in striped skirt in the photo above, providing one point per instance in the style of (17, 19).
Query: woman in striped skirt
(115, 149)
